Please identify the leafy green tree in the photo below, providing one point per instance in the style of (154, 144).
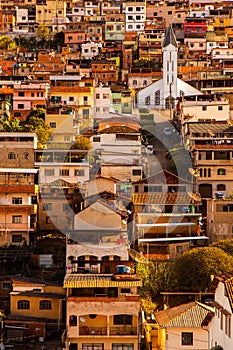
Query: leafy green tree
(7, 43)
(82, 143)
(192, 271)
(8, 125)
(37, 112)
(42, 32)
(155, 278)
(42, 130)
(226, 245)
(148, 306)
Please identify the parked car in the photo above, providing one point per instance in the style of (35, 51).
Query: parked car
(150, 149)
(167, 131)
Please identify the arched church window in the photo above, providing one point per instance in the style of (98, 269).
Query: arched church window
(157, 97)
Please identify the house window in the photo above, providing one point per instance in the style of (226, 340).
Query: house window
(179, 249)
(6, 285)
(73, 346)
(221, 187)
(20, 106)
(221, 171)
(228, 325)
(26, 155)
(79, 172)
(127, 346)
(86, 113)
(147, 100)
(73, 320)
(67, 138)
(122, 319)
(220, 108)
(17, 200)
(45, 305)
(71, 98)
(221, 320)
(187, 338)
(17, 238)
(64, 172)
(21, 93)
(204, 108)
(97, 96)
(11, 155)
(48, 220)
(157, 97)
(17, 219)
(66, 206)
(53, 125)
(96, 139)
(49, 172)
(135, 82)
(23, 305)
(47, 206)
(136, 172)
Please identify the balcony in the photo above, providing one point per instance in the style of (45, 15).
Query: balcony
(113, 331)
(125, 330)
(85, 330)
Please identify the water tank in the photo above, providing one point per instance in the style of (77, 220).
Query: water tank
(121, 269)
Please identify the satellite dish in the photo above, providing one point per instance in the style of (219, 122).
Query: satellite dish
(194, 172)
(194, 196)
(137, 256)
(82, 319)
(211, 133)
(156, 208)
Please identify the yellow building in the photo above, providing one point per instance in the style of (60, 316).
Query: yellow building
(36, 303)
(50, 12)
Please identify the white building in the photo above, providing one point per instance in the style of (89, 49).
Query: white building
(90, 50)
(102, 102)
(135, 15)
(221, 331)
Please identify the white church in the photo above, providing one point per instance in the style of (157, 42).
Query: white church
(163, 93)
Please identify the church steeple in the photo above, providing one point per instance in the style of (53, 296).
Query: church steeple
(170, 38)
(170, 49)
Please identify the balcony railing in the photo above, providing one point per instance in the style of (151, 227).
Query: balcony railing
(85, 330)
(96, 331)
(125, 330)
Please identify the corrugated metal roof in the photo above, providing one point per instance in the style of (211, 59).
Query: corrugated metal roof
(100, 280)
(189, 315)
(162, 198)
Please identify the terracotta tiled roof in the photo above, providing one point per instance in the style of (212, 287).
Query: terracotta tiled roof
(227, 279)
(162, 198)
(185, 315)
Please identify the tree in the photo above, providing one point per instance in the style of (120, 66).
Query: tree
(42, 130)
(155, 278)
(8, 125)
(7, 43)
(37, 112)
(226, 245)
(82, 143)
(192, 271)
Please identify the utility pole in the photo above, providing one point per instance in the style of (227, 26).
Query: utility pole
(2, 347)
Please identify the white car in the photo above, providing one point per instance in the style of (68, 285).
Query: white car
(150, 149)
(167, 131)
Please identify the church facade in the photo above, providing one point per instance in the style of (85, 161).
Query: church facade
(163, 93)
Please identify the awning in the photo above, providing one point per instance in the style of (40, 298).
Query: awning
(170, 239)
(19, 170)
